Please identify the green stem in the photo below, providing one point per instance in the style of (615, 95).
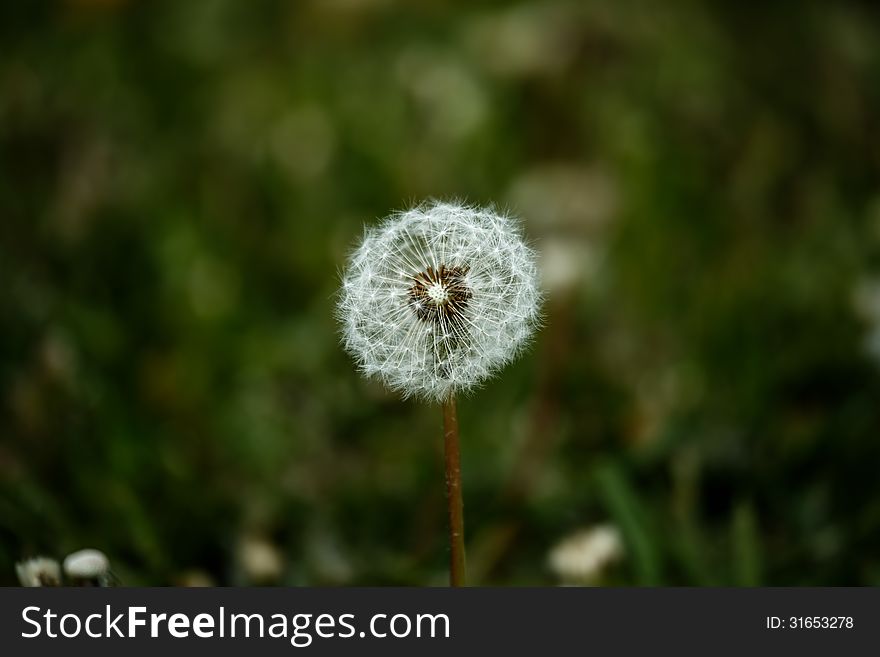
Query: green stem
(457, 574)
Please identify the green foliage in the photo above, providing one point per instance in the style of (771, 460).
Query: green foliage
(180, 183)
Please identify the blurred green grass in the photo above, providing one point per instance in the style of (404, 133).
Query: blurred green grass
(180, 184)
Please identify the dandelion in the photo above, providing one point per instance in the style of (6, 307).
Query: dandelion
(260, 559)
(434, 301)
(39, 571)
(583, 556)
(438, 298)
(88, 568)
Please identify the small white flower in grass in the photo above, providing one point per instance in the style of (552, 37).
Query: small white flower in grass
(88, 568)
(261, 561)
(582, 557)
(438, 298)
(39, 571)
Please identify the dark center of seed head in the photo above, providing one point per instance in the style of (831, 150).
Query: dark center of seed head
(439, 295)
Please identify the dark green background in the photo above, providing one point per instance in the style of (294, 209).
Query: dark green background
(180, 183)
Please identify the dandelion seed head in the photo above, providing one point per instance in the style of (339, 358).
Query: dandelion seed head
(86, 564)
(438, 298)
(582, 557)
(39, 571)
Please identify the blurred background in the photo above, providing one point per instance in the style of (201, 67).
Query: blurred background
(180, 183)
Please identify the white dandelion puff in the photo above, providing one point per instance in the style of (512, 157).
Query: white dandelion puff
(438, 298)
(39, 571)
(88, 568)
(582, 557)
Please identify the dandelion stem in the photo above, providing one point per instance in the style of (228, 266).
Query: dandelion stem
(457, 575)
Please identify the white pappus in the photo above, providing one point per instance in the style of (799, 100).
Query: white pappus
(438, 298)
